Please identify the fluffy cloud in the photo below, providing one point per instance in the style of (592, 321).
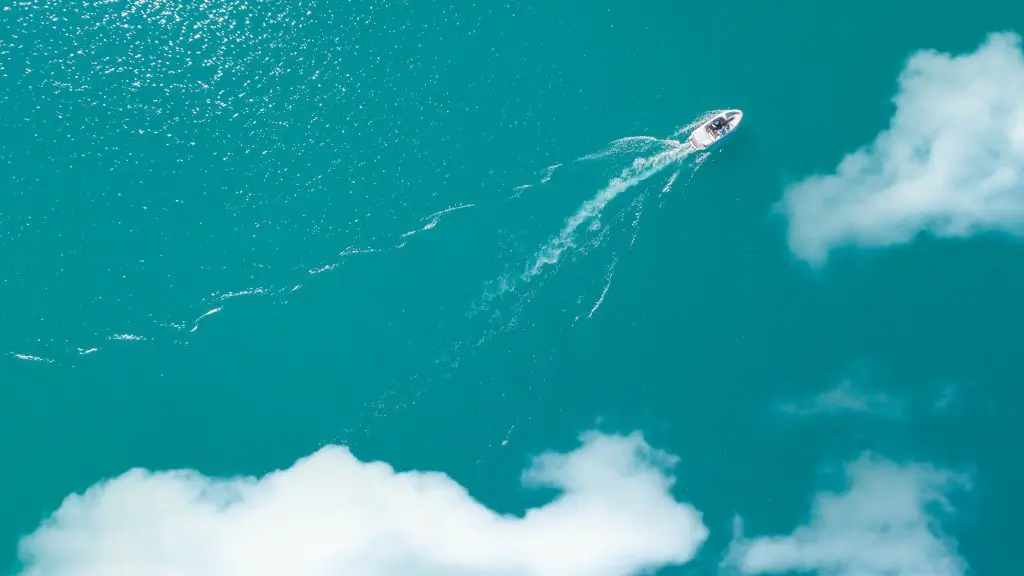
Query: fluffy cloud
(332, 514)
(881, 526)
(951, 162)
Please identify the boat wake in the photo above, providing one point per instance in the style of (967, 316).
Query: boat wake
(656, 156)
(583, 231)
(500, 309)
(642, 169)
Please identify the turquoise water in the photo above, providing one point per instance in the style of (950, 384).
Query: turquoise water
(267, 161)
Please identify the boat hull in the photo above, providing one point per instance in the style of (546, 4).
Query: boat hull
(705, 136)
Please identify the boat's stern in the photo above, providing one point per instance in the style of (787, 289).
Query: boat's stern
(700, 139)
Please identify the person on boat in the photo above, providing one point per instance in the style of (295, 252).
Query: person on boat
(719, 126)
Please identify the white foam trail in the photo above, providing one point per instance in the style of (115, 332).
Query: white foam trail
(248, 292)
(518, 190)
(435, 218)
(195, 325)
(671, 181)
(548, 172)
(428, 226)
(135, 337)
(607, 285)
(439, 213)
(31, 358)
(324, 268)
(636, 219)
(697, 163)
(629, 144)
(343, 253)
(642, 169)
(544, 179)
(651, 156)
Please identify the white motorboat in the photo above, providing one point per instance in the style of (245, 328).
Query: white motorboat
(718, 127)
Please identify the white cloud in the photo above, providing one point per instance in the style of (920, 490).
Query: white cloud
(951, 162)
(331, 514)
(881, 526)
(846, 398)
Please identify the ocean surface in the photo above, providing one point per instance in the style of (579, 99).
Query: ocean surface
(453, 236)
